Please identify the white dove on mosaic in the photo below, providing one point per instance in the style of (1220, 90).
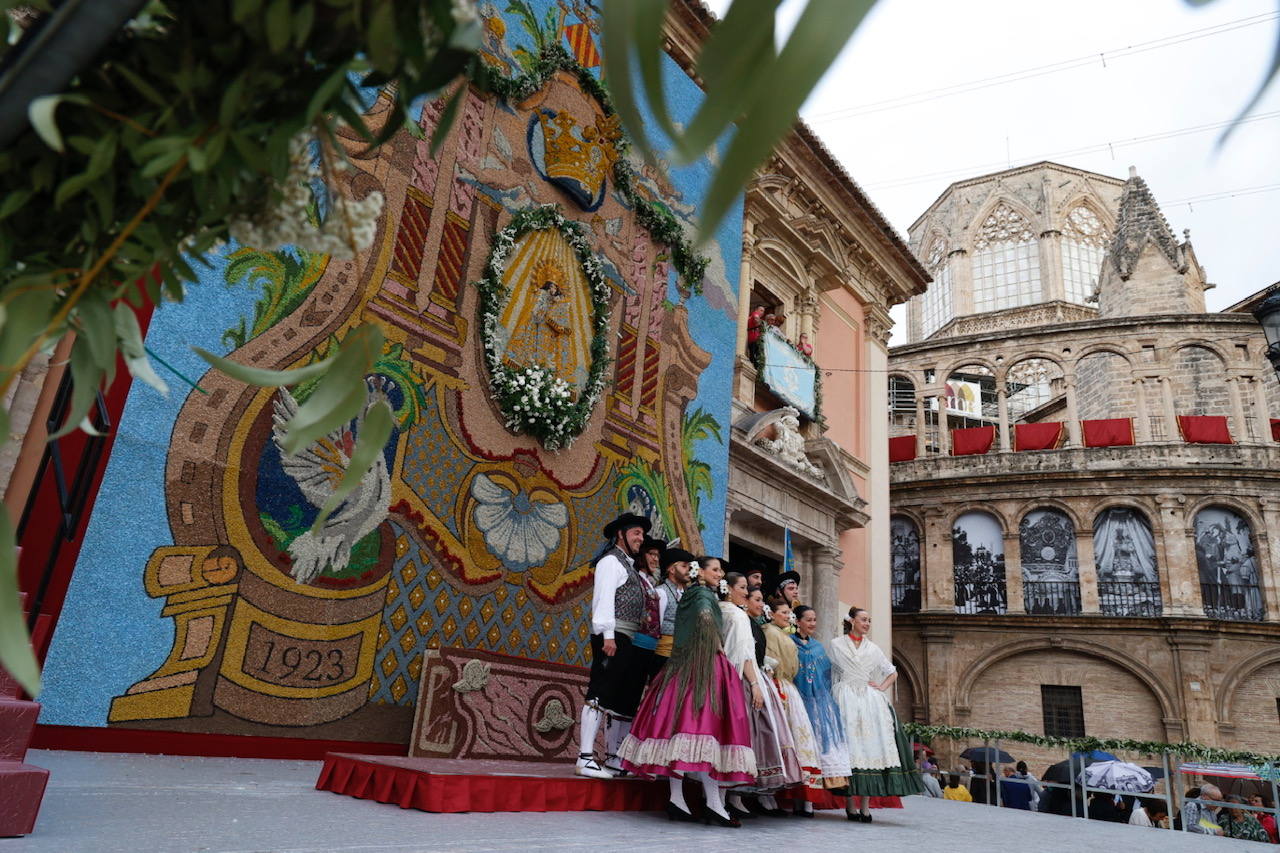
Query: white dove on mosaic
(518, 530)
(317, 469)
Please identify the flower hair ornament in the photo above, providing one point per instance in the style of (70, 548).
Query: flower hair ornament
(722, 587)
(694, 570)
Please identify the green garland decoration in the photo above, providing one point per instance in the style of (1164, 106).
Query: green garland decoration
(655, 217)
(1199, 752)
(532, 399)
(756, 352)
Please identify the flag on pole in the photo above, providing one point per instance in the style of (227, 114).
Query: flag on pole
(788, 559)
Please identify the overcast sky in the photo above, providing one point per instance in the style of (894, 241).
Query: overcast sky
(906, 156)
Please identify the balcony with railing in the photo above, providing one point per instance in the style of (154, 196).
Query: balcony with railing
(1051, 598)
(1233, 602)
(1130, 598)
(982, 596)
(905, 597)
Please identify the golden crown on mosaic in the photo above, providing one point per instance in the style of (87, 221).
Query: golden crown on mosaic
(585, 157)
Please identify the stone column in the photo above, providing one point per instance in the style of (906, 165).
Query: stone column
(939, 689)
(1262, 409)
(922, 439)
(1051, 272)
(1269, 546)
(744, 283)
(1013, 572)
(1002, 406)
(1073, 411)
(827, 563)
(944, 426)
(1144, 418)
(937, 569)
(1178, 569)
(1197, 668)
(1088, 572)
(1239, 426)
(876, 535)
(1170, 413)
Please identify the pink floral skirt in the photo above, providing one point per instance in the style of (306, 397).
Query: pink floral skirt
(671, 737)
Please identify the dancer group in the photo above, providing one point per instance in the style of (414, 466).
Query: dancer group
(695, 676)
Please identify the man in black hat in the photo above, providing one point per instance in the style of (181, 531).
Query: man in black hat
(676, 564)
(618, 608)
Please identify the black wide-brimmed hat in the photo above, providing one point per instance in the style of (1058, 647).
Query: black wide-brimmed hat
(783, 578)
(650, 544)
(674, 555)
(626, 521)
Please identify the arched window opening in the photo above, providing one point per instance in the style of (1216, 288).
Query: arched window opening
(1006, 262)
(936, 306)
(1228, 565)
(904, 551)
(977, 554)
(971, 397)
(1050, 569)
(1124, 551)
(1084, 243)
(1036, 391)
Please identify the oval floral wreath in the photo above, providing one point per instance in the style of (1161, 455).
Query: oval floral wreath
(532, 399)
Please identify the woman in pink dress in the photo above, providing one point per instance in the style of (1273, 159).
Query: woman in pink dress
(694, 720)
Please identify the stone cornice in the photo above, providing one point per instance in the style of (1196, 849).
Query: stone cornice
(748, 460)
(1190, 631)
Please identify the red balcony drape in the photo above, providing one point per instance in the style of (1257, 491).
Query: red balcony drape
(1275, 429)
(1046, 436)
(1204, 429)
(902, 448)
(972, 441)
(1108, 432)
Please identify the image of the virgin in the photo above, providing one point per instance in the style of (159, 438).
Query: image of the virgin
(546, 320)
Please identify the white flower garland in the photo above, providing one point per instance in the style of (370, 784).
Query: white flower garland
(533, 399)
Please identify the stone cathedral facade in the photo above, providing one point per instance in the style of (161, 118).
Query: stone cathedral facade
(1088, 474)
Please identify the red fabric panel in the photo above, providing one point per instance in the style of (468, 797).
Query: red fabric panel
(967, 442)
(1275, 429)
(1111, 432)
(364, 777)
(1204, 429)
(902, 448)
(825, 800)
(1045, 436)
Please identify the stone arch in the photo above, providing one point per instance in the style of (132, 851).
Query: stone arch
(782, 254)
(1084, 198)
(1072, 514)
(1250, 511)
(1101, 347)
(964, 361)
(1021, 355)
(1143, 673)
(1236, 676)
(1127, 559)
(1230, 561)
(989, 206)
(1202, 343)
(974, 506)
(1049, 560)
(910, 674)
(1198, 375)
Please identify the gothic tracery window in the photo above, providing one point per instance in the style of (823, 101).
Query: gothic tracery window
(1006, 262)
(1084, 242)
(936, 307)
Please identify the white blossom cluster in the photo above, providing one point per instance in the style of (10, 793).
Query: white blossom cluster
(348, 229)
(464, 11)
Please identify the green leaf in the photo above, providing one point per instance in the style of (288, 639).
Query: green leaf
(86, 380)
(262, 377)
(340, 394)
(144, 88)
(822, 31)
(14, 201)
(97, 328)
(371, 439)
(1267, 79)
(618, 21)
(243, 10)
(325, 92)
(303, 20)
(648, 20)
(231, 101)
(129, 333)
(383, 49)
(41, 113)
(16, 655)
(27, 315)
(279, 20)
(447, 117)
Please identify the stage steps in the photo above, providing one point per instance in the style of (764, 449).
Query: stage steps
(21, 785)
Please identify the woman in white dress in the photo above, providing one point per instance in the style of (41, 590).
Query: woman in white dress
(782, 651)
(880, 759)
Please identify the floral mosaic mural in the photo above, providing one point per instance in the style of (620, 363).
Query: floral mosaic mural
(555, 354)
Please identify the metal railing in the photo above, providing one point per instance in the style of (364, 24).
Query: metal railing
(1130, 598)
(1051, 598)
(1235, 602)
(986, 596)
(905, 597)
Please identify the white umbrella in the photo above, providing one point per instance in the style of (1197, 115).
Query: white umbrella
(1118, 776)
